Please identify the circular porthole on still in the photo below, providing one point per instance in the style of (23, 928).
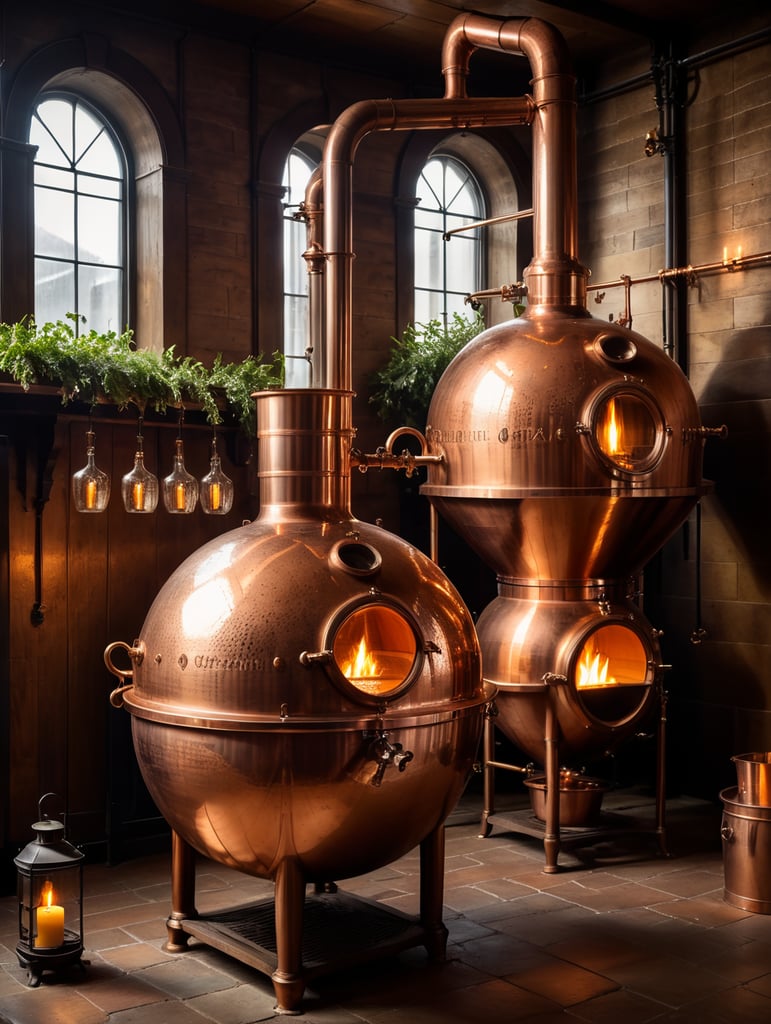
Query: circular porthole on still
(628, 431)
(612, 674)
(375, 649)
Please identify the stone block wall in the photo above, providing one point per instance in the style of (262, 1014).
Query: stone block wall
(715, 573)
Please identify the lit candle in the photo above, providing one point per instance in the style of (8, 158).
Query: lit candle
(90, 493)
(50, 920)
(138, 496)
(215, 495)
(725, 255)
(179, 496)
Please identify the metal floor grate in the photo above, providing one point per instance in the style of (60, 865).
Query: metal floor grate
(335, 925)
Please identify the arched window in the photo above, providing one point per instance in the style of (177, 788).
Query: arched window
(297, 171)
(81, 215)
(447, 266)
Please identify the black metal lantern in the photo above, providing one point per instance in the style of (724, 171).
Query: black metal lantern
(50, 889)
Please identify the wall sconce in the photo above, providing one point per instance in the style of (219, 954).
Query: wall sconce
(216, 488)
(180, 488)
(732, 262)
(50, 889)
(139, 488)
(90, 485)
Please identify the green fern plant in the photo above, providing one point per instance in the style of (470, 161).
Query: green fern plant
(402, 389)
(90, 367)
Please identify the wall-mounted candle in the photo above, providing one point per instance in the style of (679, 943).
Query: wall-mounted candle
(49, 919)
(138, 496)
(736, 258)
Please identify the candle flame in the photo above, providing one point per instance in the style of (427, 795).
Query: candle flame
(47, 894)
(593, 669)
(361, 664)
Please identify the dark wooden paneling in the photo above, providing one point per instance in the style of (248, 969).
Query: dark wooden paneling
(98, 575)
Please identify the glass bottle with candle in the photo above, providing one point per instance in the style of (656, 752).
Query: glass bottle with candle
(180, 488)
(90, 485)
(139, 488)
(216, 488)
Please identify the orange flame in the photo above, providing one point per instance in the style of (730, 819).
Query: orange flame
(47, 897)
(592, 669)
(612, 430)
(362, 665)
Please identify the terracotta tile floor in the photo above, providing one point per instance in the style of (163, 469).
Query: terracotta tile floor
(620, 935)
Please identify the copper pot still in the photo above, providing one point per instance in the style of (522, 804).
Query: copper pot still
(568, 450)
(306, 688)
(571, 451)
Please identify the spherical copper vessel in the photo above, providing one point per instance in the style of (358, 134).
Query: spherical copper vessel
(262, 730)
(571, 450)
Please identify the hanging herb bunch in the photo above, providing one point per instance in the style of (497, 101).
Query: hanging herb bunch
(92, 367)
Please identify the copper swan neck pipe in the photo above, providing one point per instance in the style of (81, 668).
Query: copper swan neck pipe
(537, 40)
(556, 280)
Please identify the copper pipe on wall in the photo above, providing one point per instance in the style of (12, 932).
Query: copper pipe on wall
(728, 265)
(311, 211)
(487, 222)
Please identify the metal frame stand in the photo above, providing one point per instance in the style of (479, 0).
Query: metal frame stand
(554, 837)
(298, 935)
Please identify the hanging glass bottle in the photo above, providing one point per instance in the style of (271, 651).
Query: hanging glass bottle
(90, 485)
(139, 488)
(216, 488)
(180, 488)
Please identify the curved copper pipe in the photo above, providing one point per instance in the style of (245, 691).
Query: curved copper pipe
(537, 40)
(337, 174)
(555, 278)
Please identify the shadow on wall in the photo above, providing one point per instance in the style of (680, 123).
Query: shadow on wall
(739, 394)
(725, 705)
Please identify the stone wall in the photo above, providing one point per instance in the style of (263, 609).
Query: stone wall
(720, 686)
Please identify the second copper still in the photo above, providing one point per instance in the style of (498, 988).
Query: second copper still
(567, 451)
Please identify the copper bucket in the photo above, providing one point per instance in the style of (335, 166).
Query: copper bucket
(580, 798)
(746, 835)
(753, 777)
